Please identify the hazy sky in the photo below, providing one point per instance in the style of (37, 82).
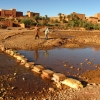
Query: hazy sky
(53, 7)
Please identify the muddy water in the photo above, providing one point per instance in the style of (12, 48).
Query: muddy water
(67, 61)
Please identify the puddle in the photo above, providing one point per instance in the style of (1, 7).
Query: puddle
(64, 60)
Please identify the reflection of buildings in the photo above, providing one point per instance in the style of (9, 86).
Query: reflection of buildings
(36, 55)
(96, 49)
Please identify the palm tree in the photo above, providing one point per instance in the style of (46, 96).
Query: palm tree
(59, 14)
(46, 17)
(64, 17)
(69, 17)
(60, 17)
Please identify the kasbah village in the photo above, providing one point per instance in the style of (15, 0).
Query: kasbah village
(21, 79)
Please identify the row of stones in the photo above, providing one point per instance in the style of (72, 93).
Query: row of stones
(58, 78)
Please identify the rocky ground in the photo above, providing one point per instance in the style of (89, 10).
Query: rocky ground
(24, 39)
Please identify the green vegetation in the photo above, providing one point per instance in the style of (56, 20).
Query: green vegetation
(26, 21)
(75, 22)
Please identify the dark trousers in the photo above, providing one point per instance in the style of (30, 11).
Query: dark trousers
(46, 36)
(36, 36)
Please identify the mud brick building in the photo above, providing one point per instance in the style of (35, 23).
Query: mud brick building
(92, 19)
(81, 16)
(31, 14)
(97, 15)
(10, 13)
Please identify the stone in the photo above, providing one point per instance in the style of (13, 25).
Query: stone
(87, 59)
(8, 51)
(23, 61)
(2, 48)
(20, 57)
(29, 64)
(71, 67)
(47, 73)
(12, 52)
(58, 77)
(15, 55)
(88, 62)
(37, 68)
(23, 79)
(73, 83)
(1, 98)
(45, 77)
(51, 89)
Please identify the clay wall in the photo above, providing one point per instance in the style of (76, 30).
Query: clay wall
(8, 13)
(81, 16)
(97, 15)
(93, 19)
(54, 18)
(19, 14)
(31, 14)
(7, 23)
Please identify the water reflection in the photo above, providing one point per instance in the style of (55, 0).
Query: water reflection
(46, 53)
(36, 55)
(96, 49)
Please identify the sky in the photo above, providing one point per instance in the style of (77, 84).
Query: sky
(53, 7)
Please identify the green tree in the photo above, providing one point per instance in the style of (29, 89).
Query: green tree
(73, 16)
(40, 18)
(19, 20)
(46, 17)
(64, 21)
(69, 17)
(36, 17)
(26, 21)
(96, 26)
(64, 17)
(52, 20)
(44, 22)
(60, 17)
(56, 21)
(43, 18)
